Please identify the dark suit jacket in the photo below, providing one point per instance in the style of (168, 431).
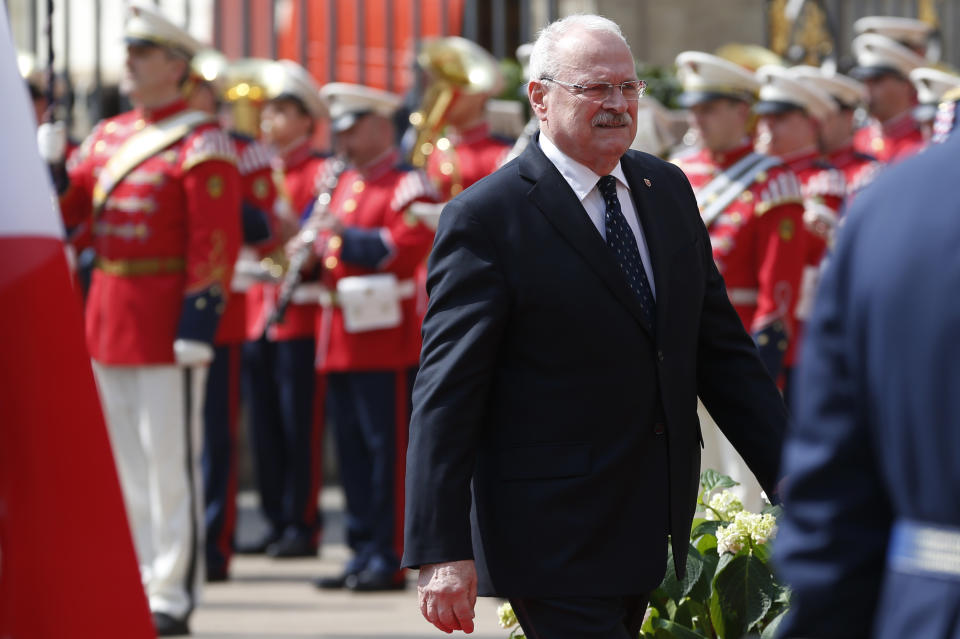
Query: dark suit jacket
(541, 383)
(877, 437)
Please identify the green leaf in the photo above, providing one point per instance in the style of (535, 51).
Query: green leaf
(776, 511)
(743, 591)
(706, 527)
(702, 589)
(678, 589)
(762, 552)
(712, 480)
(771, 630)
(676, 630)
(706, 544)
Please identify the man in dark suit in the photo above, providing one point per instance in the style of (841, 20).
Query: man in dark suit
(575, 314)
(870, 539)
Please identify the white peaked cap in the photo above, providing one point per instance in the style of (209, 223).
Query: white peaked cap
(146, 25)
(876, 54)
(908, 30)
(932, 84)
(346, 102)
(286, 78)
(705, 77)
(780, 91)
(843, 88)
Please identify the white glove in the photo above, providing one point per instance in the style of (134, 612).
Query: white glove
(52, 141)
(190, 352)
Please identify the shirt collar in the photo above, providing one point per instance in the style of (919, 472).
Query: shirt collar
(580, 178)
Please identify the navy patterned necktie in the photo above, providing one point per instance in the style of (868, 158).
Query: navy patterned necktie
(623, 245)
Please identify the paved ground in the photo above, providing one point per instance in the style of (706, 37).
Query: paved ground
(273, 598)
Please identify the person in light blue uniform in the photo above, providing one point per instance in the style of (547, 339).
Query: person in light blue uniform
(870, 537)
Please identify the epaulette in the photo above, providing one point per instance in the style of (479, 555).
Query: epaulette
(79, 156)
(254, 157)
(414, 185)
(783, 188)
(206, 145)
(827, 182)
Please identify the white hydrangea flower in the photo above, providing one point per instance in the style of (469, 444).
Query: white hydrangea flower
(746, 527)
(724, 505)
(507, 617)
(729, 539)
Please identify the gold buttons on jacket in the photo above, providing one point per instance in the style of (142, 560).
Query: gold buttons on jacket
(334, 243)
(331, 262)
(350, 206)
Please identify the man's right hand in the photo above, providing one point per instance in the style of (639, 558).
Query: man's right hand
(448, 594)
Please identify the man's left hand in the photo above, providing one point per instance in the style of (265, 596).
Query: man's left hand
(448, 594)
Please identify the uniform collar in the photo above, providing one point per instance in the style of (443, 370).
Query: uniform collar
(295, 153)
(727, 158)
(581, 178)
(155, 114)
(899, 125)
(802, 158)
(380, 166)
(473, 133)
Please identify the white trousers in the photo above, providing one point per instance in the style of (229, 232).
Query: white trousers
(156, 445)
(720, 455)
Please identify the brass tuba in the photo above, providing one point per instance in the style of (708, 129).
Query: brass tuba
(455, 66)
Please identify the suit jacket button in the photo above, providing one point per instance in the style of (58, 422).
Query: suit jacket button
(658, 428)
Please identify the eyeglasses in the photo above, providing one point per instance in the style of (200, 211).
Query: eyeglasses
(631, 90)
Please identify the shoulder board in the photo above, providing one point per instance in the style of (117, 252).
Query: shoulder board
(208, 144)
(254, 157)
(827, 182)
(414, 185)
(782, 188)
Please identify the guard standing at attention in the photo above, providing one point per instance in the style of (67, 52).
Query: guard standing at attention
(161, 185)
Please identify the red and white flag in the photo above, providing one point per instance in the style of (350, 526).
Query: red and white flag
(67, 562)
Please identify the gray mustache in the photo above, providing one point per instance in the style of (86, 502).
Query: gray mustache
(605, 118)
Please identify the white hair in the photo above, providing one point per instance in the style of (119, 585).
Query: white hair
(543, 58)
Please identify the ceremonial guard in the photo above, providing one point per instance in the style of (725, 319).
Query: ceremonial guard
(753, 209)
(837, 128)
(221, 410)
(884, 66)
(161, 185)
(368, 331)
(931, 85)
(286, 428)
(466, 152)
(792, 116)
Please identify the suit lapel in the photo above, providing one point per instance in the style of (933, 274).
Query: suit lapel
(560, 205)
(645, 201)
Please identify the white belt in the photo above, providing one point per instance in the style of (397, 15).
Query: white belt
(743, 296)
(313, 293)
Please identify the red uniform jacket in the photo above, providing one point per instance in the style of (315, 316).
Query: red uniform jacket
(300, 167)
(166, 237)
(824, 192)
(892, 141)
(758, 247)
(380, 236)
(463, 158)
(858, 168)
(256, 214)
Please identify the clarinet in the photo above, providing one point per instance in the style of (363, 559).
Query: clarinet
(307, 238)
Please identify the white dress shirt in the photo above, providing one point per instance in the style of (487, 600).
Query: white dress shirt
(584, 181)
